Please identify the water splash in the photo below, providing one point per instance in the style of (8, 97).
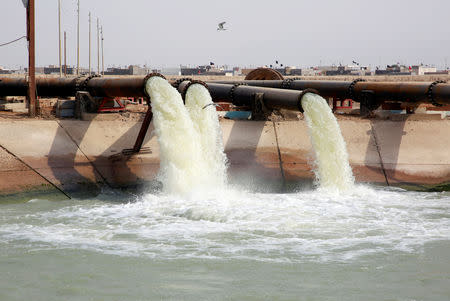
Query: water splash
(206, 122)
(181, 158)
(190, 139)
(332, 169)
(302, 227)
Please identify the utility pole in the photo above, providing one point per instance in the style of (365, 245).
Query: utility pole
(98, 47)
(89, 43)
(103, 58)
(65, 56)
(78, 40)
(32, 109)
(59, 26)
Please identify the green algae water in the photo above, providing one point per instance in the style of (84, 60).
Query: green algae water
(373, 244)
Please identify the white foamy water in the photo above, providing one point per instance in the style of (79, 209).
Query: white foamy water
(332, 169)
(182, 164)
(300, 227)
(203, 113)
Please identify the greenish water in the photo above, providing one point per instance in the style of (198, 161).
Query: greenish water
(371, 244)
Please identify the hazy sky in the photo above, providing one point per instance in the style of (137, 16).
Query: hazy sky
(297, 32)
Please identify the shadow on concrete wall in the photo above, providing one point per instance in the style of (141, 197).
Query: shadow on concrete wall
(387, 138)
(251, 167)
(80, 175)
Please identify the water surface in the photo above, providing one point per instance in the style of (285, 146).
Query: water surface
(371, 244)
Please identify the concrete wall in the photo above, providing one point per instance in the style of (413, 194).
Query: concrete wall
(78, 158)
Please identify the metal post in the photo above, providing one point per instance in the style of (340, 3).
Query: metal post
(98, 48)
(89, 43)
(59, 26)
(31, 60)
(144, 128)
(78, 40)
(103, 58)
(65, 55)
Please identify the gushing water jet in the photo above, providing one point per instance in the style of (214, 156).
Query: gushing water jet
(332, 169)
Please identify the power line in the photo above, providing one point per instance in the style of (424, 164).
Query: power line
(12, 41)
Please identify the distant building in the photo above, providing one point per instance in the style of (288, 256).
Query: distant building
(236, 71)
(311, 72)
(289, 71)
(55, 69)
(349, 70)
(293, 71)
(137, 70)
(171, 71)
(395, 69)
(117, 71)
(421, 70)
(5, 71)
(438, 72)
(205, 70)
(131, 70)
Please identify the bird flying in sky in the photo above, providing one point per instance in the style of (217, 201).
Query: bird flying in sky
(220, 26)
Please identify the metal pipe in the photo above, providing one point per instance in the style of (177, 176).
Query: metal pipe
(244, 95)
(117, 87)
(135, 87)
(401, 91)
(53, 87)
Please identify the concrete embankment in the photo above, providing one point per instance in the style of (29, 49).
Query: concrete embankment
(77, 158)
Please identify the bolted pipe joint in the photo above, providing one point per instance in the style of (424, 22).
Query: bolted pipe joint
(314, 91)
(186, 84)
(147, 77)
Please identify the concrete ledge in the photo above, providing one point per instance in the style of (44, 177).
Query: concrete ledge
(75, 156)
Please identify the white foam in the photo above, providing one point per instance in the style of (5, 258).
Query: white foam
(191, 149)
(332, 169)
(206, 122)
(182, 164)
(307, 226)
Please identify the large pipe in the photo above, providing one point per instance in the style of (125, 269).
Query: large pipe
(403, 91)
(245, 95)
(45, 86)
(135, 87)
(117, 86)
(96, 86)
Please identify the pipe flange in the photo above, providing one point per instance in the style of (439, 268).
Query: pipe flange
(430, 92)
(351, 88)
(147, 77)
(79, 80)
(83, 86)
(286, 83)
(192, 82)
(177, 83)
(231, 93)
(309, 90)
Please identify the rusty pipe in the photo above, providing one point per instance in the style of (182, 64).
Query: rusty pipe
(96, 86)
(116, 87)
(45, 86)
(403, 91)
(243, 95)
(135, 87)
